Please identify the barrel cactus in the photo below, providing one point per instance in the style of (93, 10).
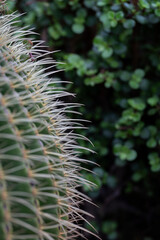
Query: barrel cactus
(39, 156)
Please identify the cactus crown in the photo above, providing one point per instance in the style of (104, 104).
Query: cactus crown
(39, 162)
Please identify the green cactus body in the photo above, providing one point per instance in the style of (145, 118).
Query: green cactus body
(39, 166)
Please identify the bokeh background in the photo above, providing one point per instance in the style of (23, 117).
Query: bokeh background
(111, 51)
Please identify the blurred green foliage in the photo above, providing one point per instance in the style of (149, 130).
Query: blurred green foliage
(111, 51)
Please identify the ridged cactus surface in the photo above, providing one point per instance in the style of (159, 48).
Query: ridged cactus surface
(39, 163)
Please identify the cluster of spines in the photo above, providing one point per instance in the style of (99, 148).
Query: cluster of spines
(39, 163)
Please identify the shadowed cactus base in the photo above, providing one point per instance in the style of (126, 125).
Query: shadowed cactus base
(39, 163)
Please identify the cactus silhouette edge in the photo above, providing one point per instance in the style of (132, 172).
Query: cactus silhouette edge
(39, 156)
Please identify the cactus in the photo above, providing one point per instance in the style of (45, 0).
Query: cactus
(39, 156)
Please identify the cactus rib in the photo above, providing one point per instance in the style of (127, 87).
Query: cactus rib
(39, 162)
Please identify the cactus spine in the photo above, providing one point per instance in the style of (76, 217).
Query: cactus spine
(39, 163)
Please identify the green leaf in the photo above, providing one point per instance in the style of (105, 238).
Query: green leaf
(151, 143)
(30, 18)
(94, 179)
(102, 3)
(125, 75)
(56, 31)
(145, 133)
(134, 84)
(89, 3)
(119, 15)
(109, 227)
(53, 33)
(99, 171)
(154, 161)
(124, 152)
(94, 80)
(137, 103)
(132, 155)
(138, 175)
(103, 47)
(141, 19)
(77, 28)
(130, 23)
(109, 80)
(157, 12)
(144, 4)
(136, 78)
(111, 181)
(139, 73)
(130, 115)
(152, 101)
(113, 23)
(138, 128)
(111, 14)
(73, 59)
(152, 130)
(107, 52)
(105, 20)
(82, 13)
(128, 6)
